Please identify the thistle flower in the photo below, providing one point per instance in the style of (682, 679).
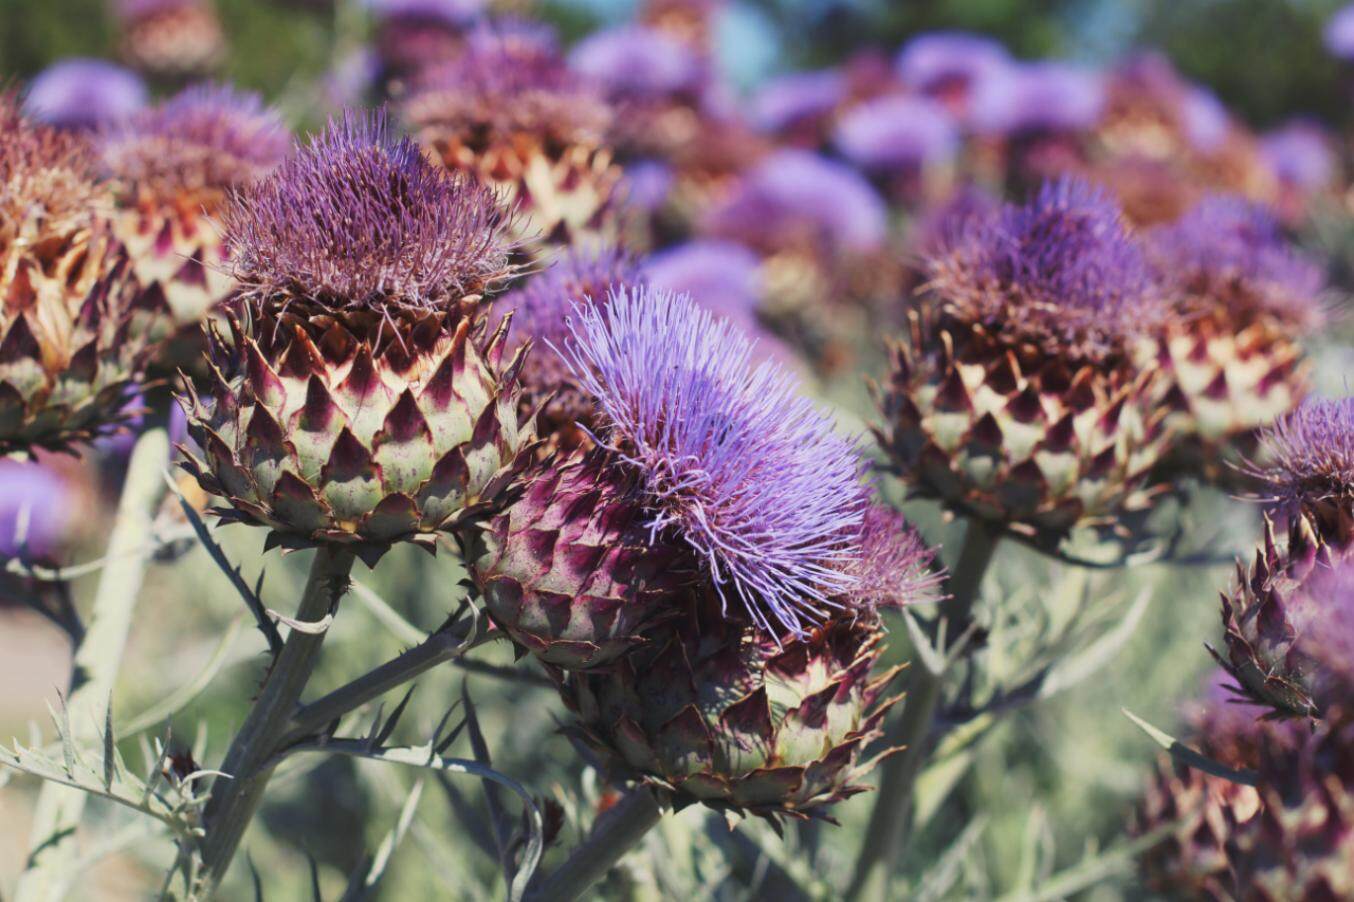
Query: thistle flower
(412, 34)
(1038, 98)
(1306, 462)
(1234, 356)
(513, 114)
(1016, 397)
(952, 67)
(1339, 33)
(171, 38)
(173, 167)
(83, 93)
(36, 506)
(358, 399)
(66, 360)
(900, 135)
(748, 472)
(798, 103)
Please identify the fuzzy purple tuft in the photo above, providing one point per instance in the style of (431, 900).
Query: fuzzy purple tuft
(893, 566)
(898, 133)
(453, 13)
(1234, 252)
(1062, 271)
(1323, 616)
(84, 93)
(359, 220)
(749, 473)
(581, 276)
(205, 137)
(1308, 456)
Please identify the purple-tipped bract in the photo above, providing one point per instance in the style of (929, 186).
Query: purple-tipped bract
(1061, 270)
(359, 220)
(745, 469)
(207, 136)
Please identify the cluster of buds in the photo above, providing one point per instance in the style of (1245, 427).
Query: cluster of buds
(509, 110)
(361, 397)
(173, 168)
(171, 39)
(704, 580)
(1245, 300)
(68, 360)
(1016, 396)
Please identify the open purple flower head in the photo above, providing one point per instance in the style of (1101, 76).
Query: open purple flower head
(1037, 98)
(898, 133)
(1308, 456)
(1233, 251)
(1300, 154)
(633, 61)
(787, 101)
(358, 219)
(1339, 33)
(732, 458)
(205, 137)
(951, 65)
(36, 506)
(893, 563)
(796, 195)
(1061, 270)
(582, 275)
(84, 93)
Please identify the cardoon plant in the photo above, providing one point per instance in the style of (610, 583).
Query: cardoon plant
(173, 168)
(1245, 301)
(511, 112)
(67, 360)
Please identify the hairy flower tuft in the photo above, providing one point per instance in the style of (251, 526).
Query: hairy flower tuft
(1308, 456)
(206, 137)
(1061, 271)
(893, 563)
(748, 471)
(1230, 251)
(358, 220)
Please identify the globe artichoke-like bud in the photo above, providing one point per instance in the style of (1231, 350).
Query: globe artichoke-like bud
(359, 399)
(1233, 356)
(171, 38)
(511, 112)
(67, 362)
(583, 275)
(572, 570)
(1015, 397)
(173, 168)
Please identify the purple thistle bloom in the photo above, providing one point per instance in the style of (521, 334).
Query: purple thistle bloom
(84, 93)
(897, 133)
(951, 65)
(1039, 97)
(939, 225)
(134, 10)
(582, 276)
(1308, 456)
(36, 504)
(1339, 33)
(646, 185)
(721, 276)
(744, 468)
(795, 195)
(893, 564)
(210, 137)
(1204, 119)
(633, 61)
(787, 101)
(1300, 155)
(359, 219)
(1062, 270)
(452, 13)
(1233, 251)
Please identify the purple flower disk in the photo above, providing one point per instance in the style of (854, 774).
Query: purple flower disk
(1015, 394)
(83, 94)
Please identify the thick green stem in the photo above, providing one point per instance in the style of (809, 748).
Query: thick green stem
(250, 760)
(96, 664)
(616, 832)
(886, 836)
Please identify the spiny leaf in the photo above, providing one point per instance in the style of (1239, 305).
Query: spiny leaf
(1189, 756)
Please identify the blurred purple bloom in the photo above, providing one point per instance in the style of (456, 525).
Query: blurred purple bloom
(640, 62)
(795, 192)
(1339, 33)
(448, 12)
(794, 99)
(84, 93)
(1300, 155)
(1322, 614)
(938, 225)
(1039, 97)
(581, 276)
(205, 136)
(524, 37)
(351, 79)
(34, 500)
(646, 185)
(720, 275)
(893, 562)
(1234, 250)
(732, 457)
(132, 10)
(359, 218)
(897, 133)
(951, 65)
(1203, 119)
(1309, 454)
(1062, 269)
